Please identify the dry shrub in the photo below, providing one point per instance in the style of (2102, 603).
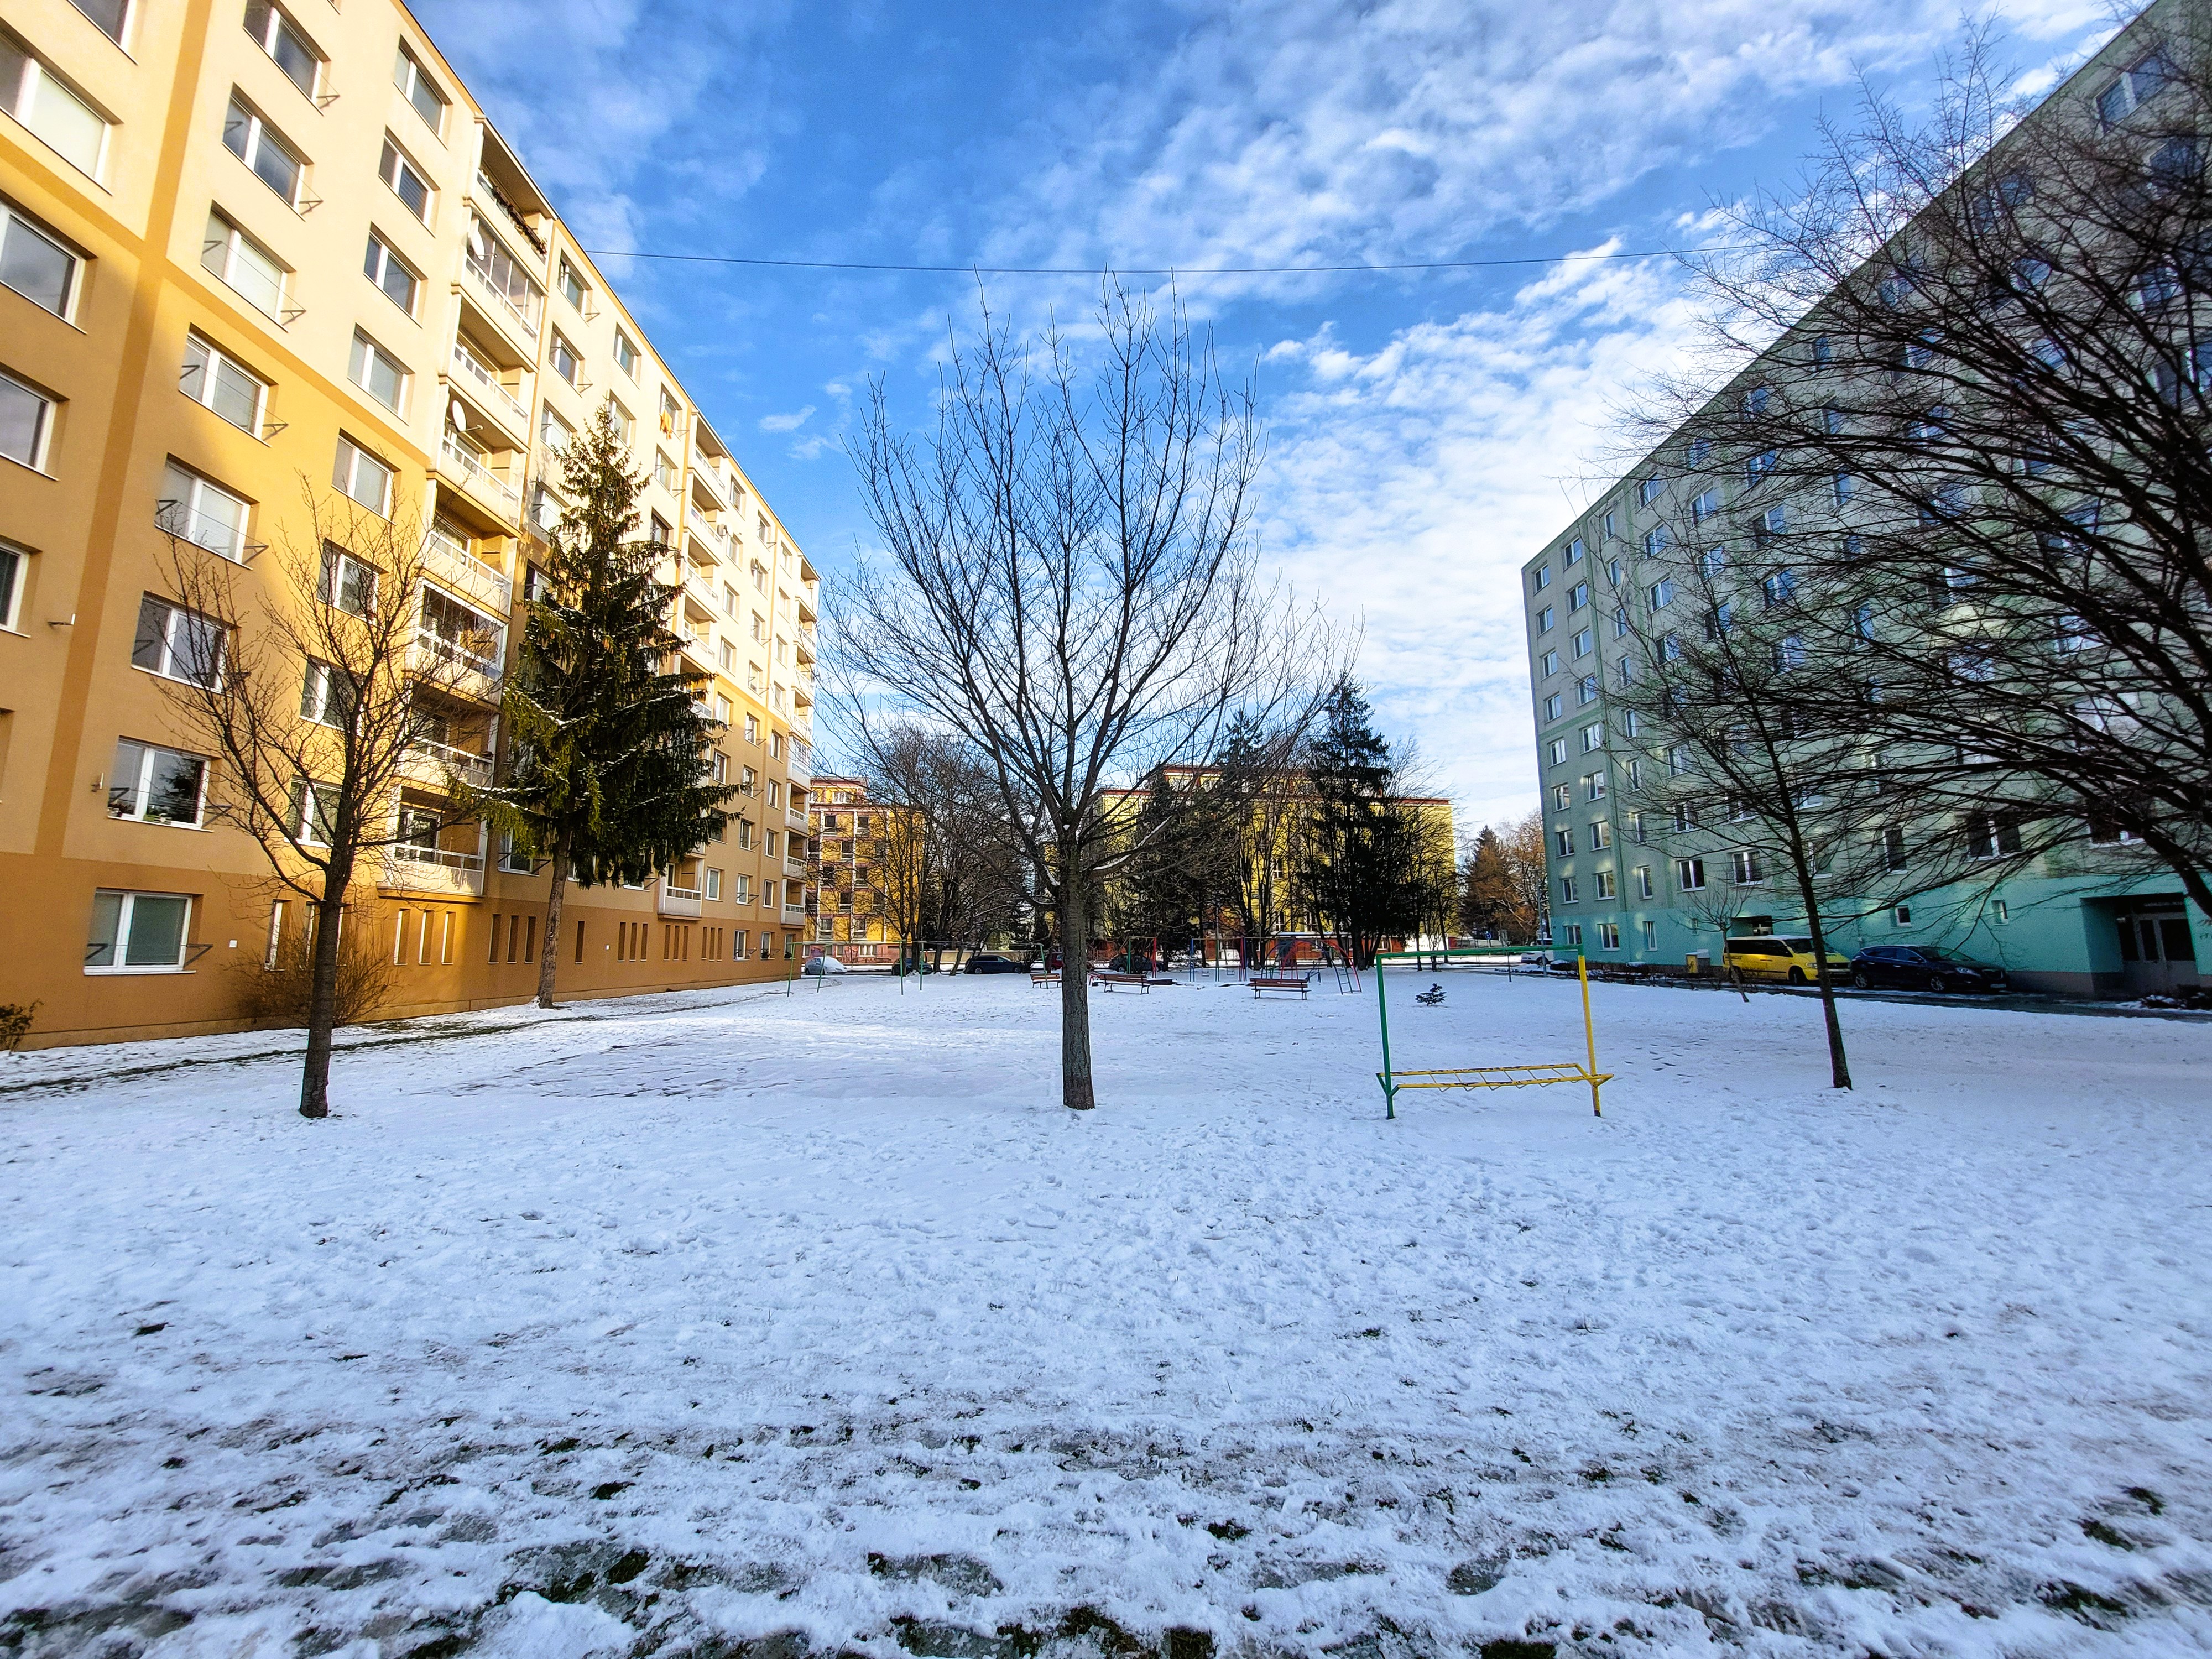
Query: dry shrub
(14, 1024)
(279, 995)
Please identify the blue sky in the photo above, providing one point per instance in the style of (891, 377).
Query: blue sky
(1426, 434)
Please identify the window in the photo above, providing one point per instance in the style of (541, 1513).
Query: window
(491, 262)
(1586, 690)
(72, 127)
(280, 38)
(460, 634)
(1608, 936)
(1892, 849)
(37, 265)
(1654, 542)
(572, 286)
(1563, 796)
(1578, 595)
(392, 274)
(314, 812)
(1993, 834)
(1788, 653)
(1570, 892)
(176, 643)
(1584, 643)
(234, 258)
(2127, 93)
(14, 562)
(1641, 878)
(361, 476)
(1706, 506)
(1647, 490)
(1635, 828)
(138, 933)
(1701, 451)
(1612, 525)
(1670, 648)
(1549, 664)
(326, 697)
(1663, 593)
(1544, 620)
(206, 514)
(1554, 706)
(626, 356)
(1690, 874)
(565, 361)
(152, 784)
(1775, 521)
(110, 17)
(713, 882)
(664, 471)
(26, 421)
(1558, 751)
(1601, 837)
(407, 181)
(1574, 552)
(419, 89)
(1565, 840)
(1745, 869)
(379, 374)
(1543, 577)
(1594, 789)
(274, 162)
(1841, 487)
(1593, 737)
(346, 582)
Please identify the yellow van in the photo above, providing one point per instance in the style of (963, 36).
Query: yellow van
(1788, 957)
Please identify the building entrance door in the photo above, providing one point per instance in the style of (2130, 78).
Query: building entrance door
(2156, 953)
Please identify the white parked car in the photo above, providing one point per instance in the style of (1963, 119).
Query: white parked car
(823, 968)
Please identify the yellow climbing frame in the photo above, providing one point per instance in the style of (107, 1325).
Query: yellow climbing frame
(1486, 1077)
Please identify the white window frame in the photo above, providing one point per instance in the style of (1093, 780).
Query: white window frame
(217, 357)
(565, 275)
(165, 667)
(380, 260)
(316, 704)
(225, 264)
(121, 33)
(560, 348)
(14, 574)
(1690, 875)
(411, 78)
(345, 479)
(38, 82)
(180, 510)
(126, 911)
(42, 438)
(14, 219)
(259, 132)
(394, 161)
(366, 353)
(148, 755)
(626, 347)
(281, 22)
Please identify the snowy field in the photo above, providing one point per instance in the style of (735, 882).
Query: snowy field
(668, 1326)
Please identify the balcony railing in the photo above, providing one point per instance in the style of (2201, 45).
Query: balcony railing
(451, 562)
(479, 375)
(796, 816)
(673, 901)
(505, 307)
(714, 534)
(437, 869)
(464, 764)
(718, 482)
(477, 479)
(460, 654)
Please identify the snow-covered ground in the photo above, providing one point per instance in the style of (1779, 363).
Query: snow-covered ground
(662, 1326)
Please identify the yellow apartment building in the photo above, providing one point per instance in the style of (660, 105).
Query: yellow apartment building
(252, 250)
(847, 827)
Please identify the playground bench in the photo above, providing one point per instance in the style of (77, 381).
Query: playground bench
(1044, 977)
(1142, 981)
(1299, 982)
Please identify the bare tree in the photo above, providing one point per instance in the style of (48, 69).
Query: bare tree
(1966, 383)
(336, 701)
(1068, 581)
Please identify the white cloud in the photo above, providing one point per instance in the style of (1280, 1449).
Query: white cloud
(786, 423)
(1407, 484)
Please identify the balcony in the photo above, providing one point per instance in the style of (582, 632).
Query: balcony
(801, 764)
(429, 762)
(457, 461)
(452, 563)
(791, 912)
(796, 817)
(468, 666)
(673, 901)
(795, 868)
(482, 384)
(429, 869)
(710, 473)
(695, 645)
(716, 539)
(503, 310)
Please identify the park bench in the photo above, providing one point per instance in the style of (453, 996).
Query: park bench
(1299, 982)
(1044, 975)
(1142, 981)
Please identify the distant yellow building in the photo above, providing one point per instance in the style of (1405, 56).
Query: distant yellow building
(251, 250)
(848, 831)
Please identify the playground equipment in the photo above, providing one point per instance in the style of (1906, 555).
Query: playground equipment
(1486, 1077)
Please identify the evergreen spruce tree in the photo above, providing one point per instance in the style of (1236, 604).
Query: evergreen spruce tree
(608, 754)
(1362, 864)
(1486, 904)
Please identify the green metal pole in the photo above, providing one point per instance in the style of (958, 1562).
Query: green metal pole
(1382, 1012)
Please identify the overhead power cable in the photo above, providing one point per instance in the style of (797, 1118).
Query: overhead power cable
(1149, 270)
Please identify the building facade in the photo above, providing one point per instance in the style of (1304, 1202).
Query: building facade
(259, 255)
(1636, 886)
(847, 827)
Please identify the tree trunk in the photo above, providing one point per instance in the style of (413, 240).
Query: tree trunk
(1839, 1069)
(550, 962)
(322, 997)
(1075, 1089)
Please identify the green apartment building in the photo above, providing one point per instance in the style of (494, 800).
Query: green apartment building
(1631, 885)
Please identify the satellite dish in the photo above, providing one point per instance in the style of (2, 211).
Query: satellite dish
(479, 244)
(457, 416)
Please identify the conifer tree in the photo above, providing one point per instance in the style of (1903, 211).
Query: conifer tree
(607, 766)
(1487, 904)
(1362, 874)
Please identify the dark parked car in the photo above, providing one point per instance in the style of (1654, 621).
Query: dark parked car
(992, 963)
(1923, 968)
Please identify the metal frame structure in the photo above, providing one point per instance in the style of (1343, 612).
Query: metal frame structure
(1486, 1077)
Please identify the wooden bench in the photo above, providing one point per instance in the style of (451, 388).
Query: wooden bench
(1298, 983)
(1044, 977)
(1101, 976)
